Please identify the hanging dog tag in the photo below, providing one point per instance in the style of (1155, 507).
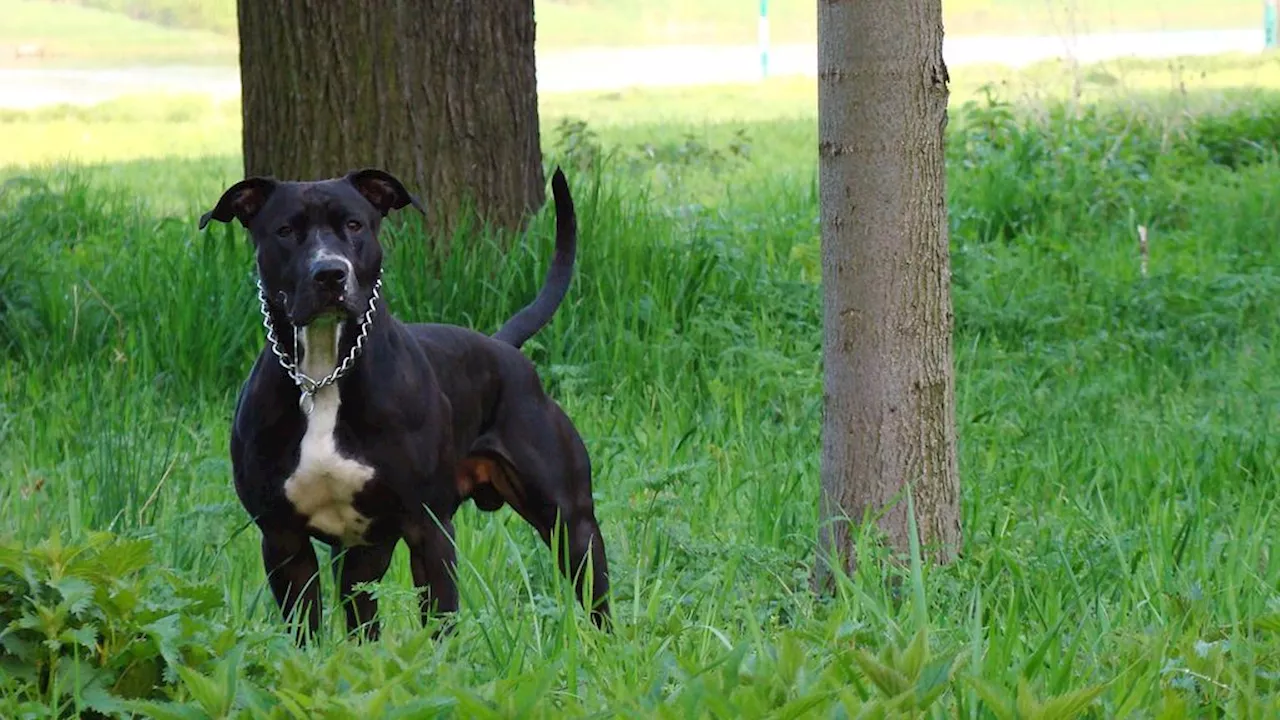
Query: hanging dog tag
(307, 402)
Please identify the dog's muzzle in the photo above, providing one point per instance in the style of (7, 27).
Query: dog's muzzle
(329, 275)
(332, 280)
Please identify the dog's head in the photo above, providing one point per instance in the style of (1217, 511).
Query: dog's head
(317, 242)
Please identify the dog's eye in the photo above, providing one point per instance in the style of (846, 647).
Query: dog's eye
(284, 231)
(354, 226)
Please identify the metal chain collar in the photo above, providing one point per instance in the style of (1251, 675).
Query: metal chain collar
(308, 386)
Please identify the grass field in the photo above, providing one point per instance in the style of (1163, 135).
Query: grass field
(73, 35)
(644, 22)
(1118, 453)
(78, 36)
(155, 127)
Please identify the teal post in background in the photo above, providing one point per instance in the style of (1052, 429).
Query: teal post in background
(763, 36)
(1268, 23)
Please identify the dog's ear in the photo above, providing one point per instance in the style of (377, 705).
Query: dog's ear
(383, 190)
(241, 201)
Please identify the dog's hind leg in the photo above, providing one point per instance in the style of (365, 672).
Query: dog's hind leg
(355, 565)
(580, 542)
(546, 478)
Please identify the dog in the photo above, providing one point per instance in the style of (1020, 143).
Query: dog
(360, 430)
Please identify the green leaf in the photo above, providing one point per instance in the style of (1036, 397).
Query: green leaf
(19, 647)
(1025, 703)
(1173, 706)
(472, 706)
(166, 710)
(730, 666)
(298, 704)
(255, 699)
(1036, 661)
(921, 609)
(85, 636)
(873, 710)
(422, 708)
(935, 677)
(200, 597)
(74, 675)
(76, 593)
(211, 696)
(121, 558)
(101, 700)
(803, 706)
(138, 678)
(850, 704)
(534, 689)
(994, 697)
(1268, 623)
(19, 669)
(123, 600)
(890, 681)
(1069, 705)
(12, 559)
(167, 634)
(231, 675)
(915, 656)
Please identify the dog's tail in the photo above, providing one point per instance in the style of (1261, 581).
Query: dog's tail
(536, 314)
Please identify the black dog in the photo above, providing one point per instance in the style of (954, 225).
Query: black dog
(360, 430)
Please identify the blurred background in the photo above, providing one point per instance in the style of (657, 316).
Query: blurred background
(84, 52)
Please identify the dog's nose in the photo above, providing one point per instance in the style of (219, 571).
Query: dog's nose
(330, 274)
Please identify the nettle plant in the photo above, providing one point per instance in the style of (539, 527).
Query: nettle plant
(96, 626)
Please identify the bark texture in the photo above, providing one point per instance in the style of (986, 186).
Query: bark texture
(889, 387)
(440, 93)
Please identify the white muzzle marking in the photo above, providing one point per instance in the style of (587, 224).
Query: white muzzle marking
(349, 286)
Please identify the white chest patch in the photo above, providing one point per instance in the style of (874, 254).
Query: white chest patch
(323, 485)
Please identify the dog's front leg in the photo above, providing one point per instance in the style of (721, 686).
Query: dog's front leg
(361, 564)
(291, 566)
(433, 562)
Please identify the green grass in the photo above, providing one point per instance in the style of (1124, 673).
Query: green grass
(205, 31)
(78, 36)
(1118, 456)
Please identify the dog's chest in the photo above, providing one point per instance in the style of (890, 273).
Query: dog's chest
(323, 486)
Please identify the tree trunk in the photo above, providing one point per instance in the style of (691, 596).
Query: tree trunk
(440, 93)
(889, 388)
